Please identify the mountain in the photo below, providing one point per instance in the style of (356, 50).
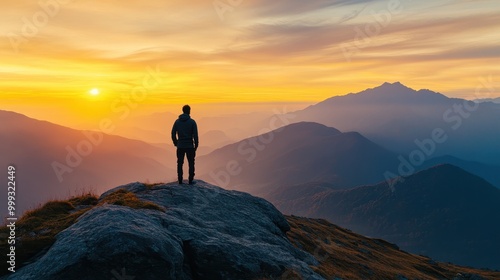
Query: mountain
(151, 128)
(490, 173)
(215, 131)
(162, 231)
(443, 212)
(481, 100)
(217, 138)
(298, 153)
(235, 126)
(212, 140)
(168, 231)
(396, 116)
(55, 161)
(310, 152)
(343, 254)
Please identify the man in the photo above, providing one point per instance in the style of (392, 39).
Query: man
(185, 138)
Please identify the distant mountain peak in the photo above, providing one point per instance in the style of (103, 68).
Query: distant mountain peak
(449, 178)
(310, 126)
(386, 93)
(443, 168)
(392, 84)
(396, 87)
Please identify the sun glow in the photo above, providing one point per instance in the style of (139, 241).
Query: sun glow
(94, 91)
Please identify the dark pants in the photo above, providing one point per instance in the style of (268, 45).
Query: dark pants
(190, 154)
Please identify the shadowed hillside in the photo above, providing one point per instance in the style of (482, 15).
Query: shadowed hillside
(443, 212)
(348, 255)
(55, 161)
(297, 153)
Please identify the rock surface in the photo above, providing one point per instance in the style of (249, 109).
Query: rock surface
(205, 232)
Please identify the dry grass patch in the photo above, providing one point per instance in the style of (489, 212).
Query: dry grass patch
(125, 198)
(36, 229)
(348, 255)
(152, 185)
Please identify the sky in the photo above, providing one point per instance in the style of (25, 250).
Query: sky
(158, 54)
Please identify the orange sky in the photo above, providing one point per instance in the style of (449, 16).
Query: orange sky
(153, 54)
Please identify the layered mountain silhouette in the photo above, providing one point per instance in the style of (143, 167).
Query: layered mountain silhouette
(306, 168)
(235, 126)
(83, 160)
(298, 153)
(394, 116)
(215, 131)
(481, 100)
(169, 231)
(443, 212)
(310, 152)
(490, 173)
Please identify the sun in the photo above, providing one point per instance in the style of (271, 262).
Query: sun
(94, 91)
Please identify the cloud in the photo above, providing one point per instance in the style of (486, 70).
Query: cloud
(280, 8)
(263, 46)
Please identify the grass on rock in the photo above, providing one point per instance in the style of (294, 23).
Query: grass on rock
(36, 230)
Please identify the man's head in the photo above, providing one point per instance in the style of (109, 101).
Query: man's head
(186, 109)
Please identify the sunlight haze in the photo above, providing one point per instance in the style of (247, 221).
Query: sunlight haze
(253, 51)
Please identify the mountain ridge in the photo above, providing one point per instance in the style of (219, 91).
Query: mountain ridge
(394, 116)
(172, 231)
(443, 211)
(299, 152)
(67, 160)
(387, 90)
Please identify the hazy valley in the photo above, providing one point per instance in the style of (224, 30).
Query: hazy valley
(352, 159)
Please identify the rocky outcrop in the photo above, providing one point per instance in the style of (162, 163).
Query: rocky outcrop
(200, 232)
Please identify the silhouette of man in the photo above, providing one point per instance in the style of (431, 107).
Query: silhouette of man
(185, 138)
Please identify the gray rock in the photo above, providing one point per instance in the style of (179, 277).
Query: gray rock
(205, 233)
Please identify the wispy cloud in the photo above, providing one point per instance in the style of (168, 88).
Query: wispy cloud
(265, 50)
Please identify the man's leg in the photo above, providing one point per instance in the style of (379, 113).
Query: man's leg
(191, 154)
(180, 162)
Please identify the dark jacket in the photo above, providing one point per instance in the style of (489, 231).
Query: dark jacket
(185, 132)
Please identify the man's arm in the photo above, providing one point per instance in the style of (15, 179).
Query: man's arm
(195, 135)
(174, 133)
